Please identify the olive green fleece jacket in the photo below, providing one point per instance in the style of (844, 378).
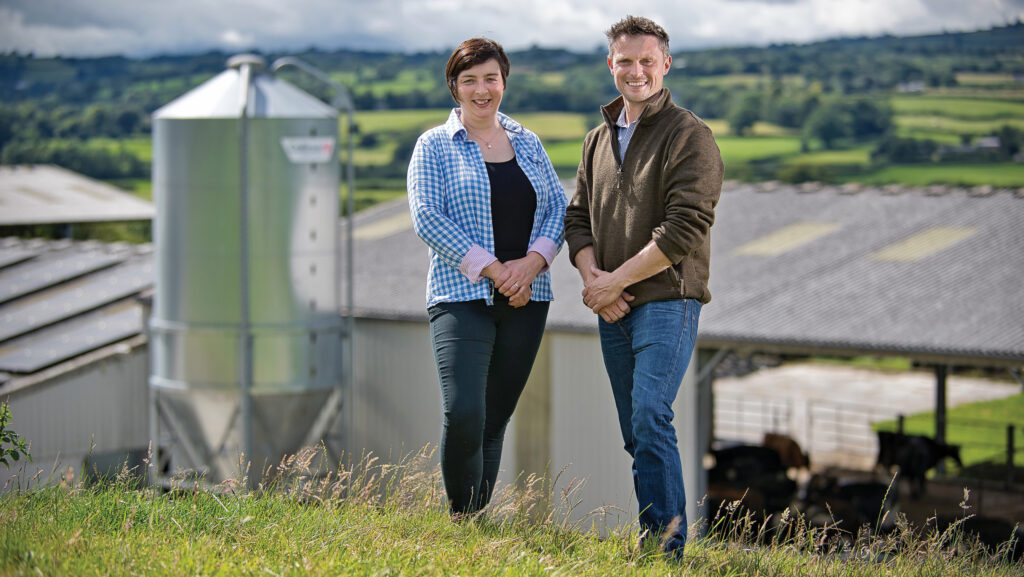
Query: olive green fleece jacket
(665, 190)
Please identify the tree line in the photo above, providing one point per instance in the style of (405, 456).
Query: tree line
(830, 92)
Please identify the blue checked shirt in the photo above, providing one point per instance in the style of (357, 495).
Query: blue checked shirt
(626, 130)
(450, 202)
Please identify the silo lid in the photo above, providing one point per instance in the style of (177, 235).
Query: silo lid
(222, 96)
(255, 61)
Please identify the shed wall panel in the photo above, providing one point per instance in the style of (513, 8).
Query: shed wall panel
(99, 408)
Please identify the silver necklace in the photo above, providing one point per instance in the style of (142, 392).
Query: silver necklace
(487, 143)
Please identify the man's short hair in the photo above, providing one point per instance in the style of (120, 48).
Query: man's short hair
(637, 26)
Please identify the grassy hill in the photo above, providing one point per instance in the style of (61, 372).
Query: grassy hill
(376, 521)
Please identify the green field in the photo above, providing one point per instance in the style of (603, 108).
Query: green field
(565, 156)
(979, 428)
(944, 120)
(367, 197)
(379, 121)
(731, 80)
(859, 156)
(555, 126)
(945, 125)
(141, 147)
(984, 79)
(965, 108)
(736, 149)
(747, 80)
(720, 127)
(1006, 174)
(379, 155)
(404, 82)
(141, 187)
(552, 78)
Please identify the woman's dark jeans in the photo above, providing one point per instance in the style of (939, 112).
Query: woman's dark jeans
(484, 356)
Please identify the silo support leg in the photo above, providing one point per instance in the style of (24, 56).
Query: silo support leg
(195, 455)
(227, 430)
(324, 420)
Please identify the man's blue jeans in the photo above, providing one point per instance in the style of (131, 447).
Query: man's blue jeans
(646, 355)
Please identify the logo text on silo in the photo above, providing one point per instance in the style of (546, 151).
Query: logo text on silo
(308, 149)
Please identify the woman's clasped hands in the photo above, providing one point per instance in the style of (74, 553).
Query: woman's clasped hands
(513, 278)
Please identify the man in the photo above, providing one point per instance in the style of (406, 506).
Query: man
(638, 232)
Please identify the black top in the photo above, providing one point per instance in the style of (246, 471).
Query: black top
(513, 202)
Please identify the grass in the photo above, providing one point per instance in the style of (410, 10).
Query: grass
(140, 187)
(860, 155)
(1010, 92)
(866, 362)
(139, 146)
(983, 79)
(555, 126)
(911, 124)
(980, 428)
(1004, 174)
(565, 156)
(375, 519)
(552, 78)
(747, 80)
(380, 121)
(405, 81)
(737, 149)
(732, 80)
(930, 132)
(367, 197)
(720, 127)
(379, 155)
(966, 108)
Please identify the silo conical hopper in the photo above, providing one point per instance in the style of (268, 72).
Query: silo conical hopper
(246, 336)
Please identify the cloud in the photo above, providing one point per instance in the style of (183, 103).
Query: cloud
(147, 27)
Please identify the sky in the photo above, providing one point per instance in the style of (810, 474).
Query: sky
(141, 28)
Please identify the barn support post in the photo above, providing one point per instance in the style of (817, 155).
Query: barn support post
(699, 409)
(1015, 372)
(940, 411)
(1010, 450)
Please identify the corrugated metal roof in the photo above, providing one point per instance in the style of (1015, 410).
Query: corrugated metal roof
(957, 294)
(44, 194)
(797, 269)
(66, 299)
(792, 270)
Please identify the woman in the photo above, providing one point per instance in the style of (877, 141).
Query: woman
(486, 200)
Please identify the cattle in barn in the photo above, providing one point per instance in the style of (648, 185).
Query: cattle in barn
(914, 455)
(789, 450)
(850, 503)
(1000, 537)
(753, 472)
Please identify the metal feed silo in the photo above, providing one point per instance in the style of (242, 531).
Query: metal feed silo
(246, 336)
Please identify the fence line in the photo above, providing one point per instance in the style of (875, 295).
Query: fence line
(833, 431)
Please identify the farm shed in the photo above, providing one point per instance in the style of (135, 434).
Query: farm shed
(930, 274)
(48, 194)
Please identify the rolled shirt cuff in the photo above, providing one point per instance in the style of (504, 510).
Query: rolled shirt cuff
(475, 261)
(546, 248)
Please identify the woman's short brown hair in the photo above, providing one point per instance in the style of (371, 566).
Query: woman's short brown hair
(470, 53)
